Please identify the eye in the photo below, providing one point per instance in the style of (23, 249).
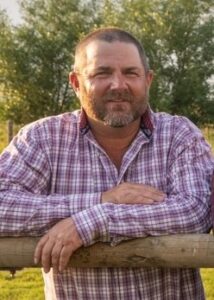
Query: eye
(102, 74)
(132, 74)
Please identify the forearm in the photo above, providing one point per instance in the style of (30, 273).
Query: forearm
(185, 209)
(113, 223)
(24, 213)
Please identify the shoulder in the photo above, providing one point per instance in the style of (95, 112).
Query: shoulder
(181, 134)
(52, 126)
(176, 126)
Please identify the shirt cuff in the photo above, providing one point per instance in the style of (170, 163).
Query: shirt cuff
(80, 202)
(92, 225)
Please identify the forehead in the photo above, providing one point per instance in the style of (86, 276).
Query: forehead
(100, 53)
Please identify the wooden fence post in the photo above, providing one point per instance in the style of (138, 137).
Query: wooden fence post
(174, 251)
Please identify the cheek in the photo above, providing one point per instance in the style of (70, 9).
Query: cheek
(88, 90)
(140, 89)
(98, 88)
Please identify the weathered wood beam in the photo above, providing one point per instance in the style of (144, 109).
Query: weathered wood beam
(182, 251)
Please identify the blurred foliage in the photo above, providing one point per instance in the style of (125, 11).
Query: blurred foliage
(35, 57)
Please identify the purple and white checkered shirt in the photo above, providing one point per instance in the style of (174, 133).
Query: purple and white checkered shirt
(54, 169)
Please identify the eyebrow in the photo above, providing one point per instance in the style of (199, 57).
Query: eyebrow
(103, 68)
(106, 68)
(132, 69)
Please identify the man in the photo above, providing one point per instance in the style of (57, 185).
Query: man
(113, 171)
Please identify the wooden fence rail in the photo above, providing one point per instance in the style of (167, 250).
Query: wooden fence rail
(182, 251)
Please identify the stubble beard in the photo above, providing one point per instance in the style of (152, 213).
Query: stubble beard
(118, 116)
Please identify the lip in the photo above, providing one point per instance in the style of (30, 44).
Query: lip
(118, 104)
(117, 101)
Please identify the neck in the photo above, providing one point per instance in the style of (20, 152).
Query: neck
(105, 132)
(115, 141)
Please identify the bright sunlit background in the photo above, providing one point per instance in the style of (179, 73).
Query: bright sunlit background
(12, 8)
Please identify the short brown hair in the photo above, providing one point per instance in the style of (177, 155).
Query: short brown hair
(112, 34)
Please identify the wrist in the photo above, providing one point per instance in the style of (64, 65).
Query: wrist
(91, 225)
(104, 197)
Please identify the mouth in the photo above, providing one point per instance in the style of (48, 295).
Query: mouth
(118, 97)
(117, 100)
(118, 105)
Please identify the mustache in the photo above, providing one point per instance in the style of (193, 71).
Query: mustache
(117, 95)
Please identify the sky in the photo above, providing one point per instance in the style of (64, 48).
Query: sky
(12, 8)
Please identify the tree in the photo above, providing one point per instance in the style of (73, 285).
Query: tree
(35, 56)
(187, 63)
(36, 60)
(178, 38)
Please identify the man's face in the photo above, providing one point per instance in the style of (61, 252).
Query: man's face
(112, 84)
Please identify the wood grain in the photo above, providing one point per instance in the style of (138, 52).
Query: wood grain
(182, 251)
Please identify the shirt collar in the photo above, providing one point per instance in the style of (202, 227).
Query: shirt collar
(147, 122)
(83, 123)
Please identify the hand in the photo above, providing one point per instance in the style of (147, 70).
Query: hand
(133, 193)
(57, 245)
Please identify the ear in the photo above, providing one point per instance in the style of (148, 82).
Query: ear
(149, 78)
(74, 82)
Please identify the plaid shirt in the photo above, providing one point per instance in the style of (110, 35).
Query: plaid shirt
(54, 169)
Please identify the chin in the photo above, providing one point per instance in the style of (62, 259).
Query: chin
(118, 121)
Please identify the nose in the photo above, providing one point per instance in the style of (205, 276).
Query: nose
(118, 81)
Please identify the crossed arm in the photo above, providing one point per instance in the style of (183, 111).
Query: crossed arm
(128, 210)
(58, 244)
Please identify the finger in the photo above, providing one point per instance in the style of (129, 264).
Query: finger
(149, 188)
(143, 200)
(55, 255)
(39, 247)
(46, 255)
(136, 198)
(151, 197)
(155, 197)
(64, 257)
(150, 194)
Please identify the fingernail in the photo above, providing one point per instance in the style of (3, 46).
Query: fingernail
(46, 270)
(35, 260)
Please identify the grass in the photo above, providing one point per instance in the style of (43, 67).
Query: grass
(209, 135)
(3, 134)
(208, 281)
(28, 283)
